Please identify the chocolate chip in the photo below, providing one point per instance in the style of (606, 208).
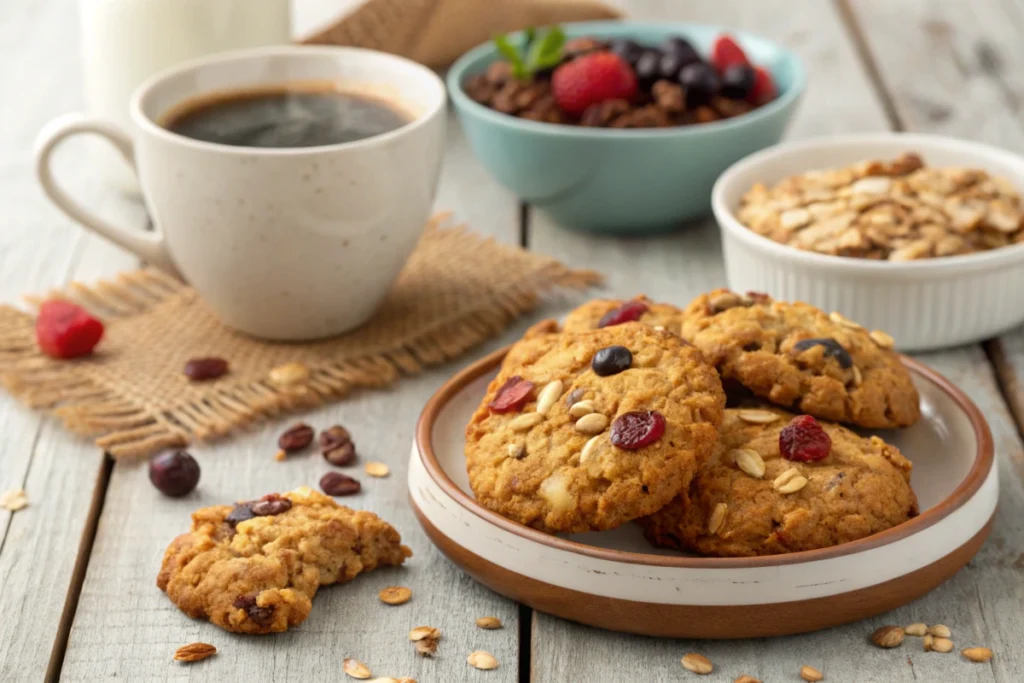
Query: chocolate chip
(832, 348)
(261, 615)
(295, 438)
(338, 484)
(271, 504)
(242, 512)
(203, 369)
(611, 360)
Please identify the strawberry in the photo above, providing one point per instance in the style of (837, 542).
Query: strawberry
(764, 89)
(590, 79)
(726, 52)
(65, 330)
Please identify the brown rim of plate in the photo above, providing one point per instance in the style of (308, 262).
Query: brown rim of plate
(983, 462)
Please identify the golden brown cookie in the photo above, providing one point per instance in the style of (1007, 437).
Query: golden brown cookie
(599, 313)
(563, 445)
(255, 567)
(801, 358)
(749, 500)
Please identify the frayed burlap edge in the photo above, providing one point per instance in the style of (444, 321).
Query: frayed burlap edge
(127, 427)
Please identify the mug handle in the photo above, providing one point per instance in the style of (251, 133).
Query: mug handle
(149, 246)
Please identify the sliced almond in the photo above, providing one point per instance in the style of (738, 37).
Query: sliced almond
(356, 669)
(549, 396)
(377, 469)
(421, 632)
(698, 664)
(793, 485)
(482, 660)
(489, 623)
(581, 408)
(750, 461)
(977, 654)
(594, 423)
(940, 631)
(194, 652)
(758, 417)
(525, 421)
(717, 518)
(395, 595)
(882, 339)
(917, 629)
(809, 673)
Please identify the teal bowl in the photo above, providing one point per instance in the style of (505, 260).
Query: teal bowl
(624, 181)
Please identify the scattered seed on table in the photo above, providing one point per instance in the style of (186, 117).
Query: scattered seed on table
(940, 631)
(977, 654)
(489, 623)
(698, 664)
(426, 647)
(338, 484)
(296, 437)
(887, 636)
(13, 500)
(288, 374)
(421, 632)
(747, 679)
(356, 669)
(918, 630)
(395, 595)
(280, 456)
(194, 652)
(377, 469)
(942, 645)
(482, 660)
(809, 673)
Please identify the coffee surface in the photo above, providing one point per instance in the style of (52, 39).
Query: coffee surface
(285, 118)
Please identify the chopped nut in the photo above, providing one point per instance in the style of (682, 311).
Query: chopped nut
(594, 423)
(918, 629)
(526, 421)
(288, 374)
(760, 417)
(13, 500)
(698, 664)
(194, 652)
(750, 461)
(549, 396)
(581, 408)
(377, 469)
(977, 654)
(887, 636)
(882, 339)
(421, 632)
(939, 631)
(717, 518)
(489, 622)
(356, 669)
(809, 673)
(482, 660)
(395, 595)
(942, 645)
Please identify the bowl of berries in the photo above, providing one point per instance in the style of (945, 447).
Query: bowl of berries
(622, 127)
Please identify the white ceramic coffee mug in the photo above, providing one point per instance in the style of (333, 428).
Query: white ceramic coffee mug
(283, 244)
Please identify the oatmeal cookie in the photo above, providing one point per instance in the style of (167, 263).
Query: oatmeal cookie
(590, 315)
(255, 567)
(800, 358)
(587, 431)
(861, 488)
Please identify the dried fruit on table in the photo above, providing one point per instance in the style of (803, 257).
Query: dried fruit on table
(204, 369)
(337, 446)
(194, 652)
(295, 438)
(66, 330)
(338, 484)
(174, 473)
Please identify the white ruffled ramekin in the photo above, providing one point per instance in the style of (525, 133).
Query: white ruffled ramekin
(926, 304)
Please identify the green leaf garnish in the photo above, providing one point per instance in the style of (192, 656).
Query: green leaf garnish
(538, 51)
(511, 53)
(547, 51)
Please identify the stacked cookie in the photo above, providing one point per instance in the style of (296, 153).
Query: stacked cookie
(622, 415)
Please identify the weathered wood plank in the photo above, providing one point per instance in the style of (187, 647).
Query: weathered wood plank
(675, 268)
(40, 249)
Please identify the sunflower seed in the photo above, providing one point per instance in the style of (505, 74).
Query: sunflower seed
(525, 421)
(717, 518)
(749, 461)
(918, 629)
(482, 660)
(548, 396)
(809, 673)
(377, 469)
(489, 623)
(758, 417)
(977, 654)
(581, 408)
(594, 423)
(356, 669)
(940, 631)
(698, 664)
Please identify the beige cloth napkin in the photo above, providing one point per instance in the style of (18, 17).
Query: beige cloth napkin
(436, 32)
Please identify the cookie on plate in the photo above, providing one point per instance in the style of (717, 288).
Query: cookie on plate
(750, 500)
(587, 431)
(255, 567)
(801, 358)
(601, 313)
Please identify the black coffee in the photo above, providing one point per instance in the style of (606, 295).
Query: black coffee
(285, 117)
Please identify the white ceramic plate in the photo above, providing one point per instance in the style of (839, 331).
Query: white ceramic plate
(616, 580)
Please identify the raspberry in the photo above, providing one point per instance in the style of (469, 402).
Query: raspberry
(764, 89)
(626, 313)
(65, 330)
(726, 52)
(591, 79)
(803, 440)
(637, 429)
(512, 395)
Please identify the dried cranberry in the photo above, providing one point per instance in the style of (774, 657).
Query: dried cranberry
(637, 429)
(337, 447)
(175, 474)
(611, 360)
(261, 615)
(66, 330)
(295, 438)
(241, 513)
(202, 369)
(512, 395)
(803, 440)
(271, 504)
(338, 484)
(626, 313)
(833, 349)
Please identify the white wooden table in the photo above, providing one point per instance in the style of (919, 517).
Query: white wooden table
(78, 599)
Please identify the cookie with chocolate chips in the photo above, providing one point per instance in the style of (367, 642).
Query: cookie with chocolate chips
(799, 357)
(255, 567)
(586, 431)
(778, 483)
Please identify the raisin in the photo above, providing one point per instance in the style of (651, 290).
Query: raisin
(337, 447)
(295, 438)
(611, 360)
(804, 440)
(833, 349)
(203, 369)
(338, 484)
(271, 504)
(626, 313)
(512, 395)
(637, 429)
(261, 615)
(175, 474)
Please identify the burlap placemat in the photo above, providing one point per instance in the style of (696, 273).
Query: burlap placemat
(457, 290)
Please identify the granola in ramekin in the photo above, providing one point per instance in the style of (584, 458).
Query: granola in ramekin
(897, 210)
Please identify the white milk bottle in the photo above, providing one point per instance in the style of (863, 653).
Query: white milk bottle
(124, 42)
